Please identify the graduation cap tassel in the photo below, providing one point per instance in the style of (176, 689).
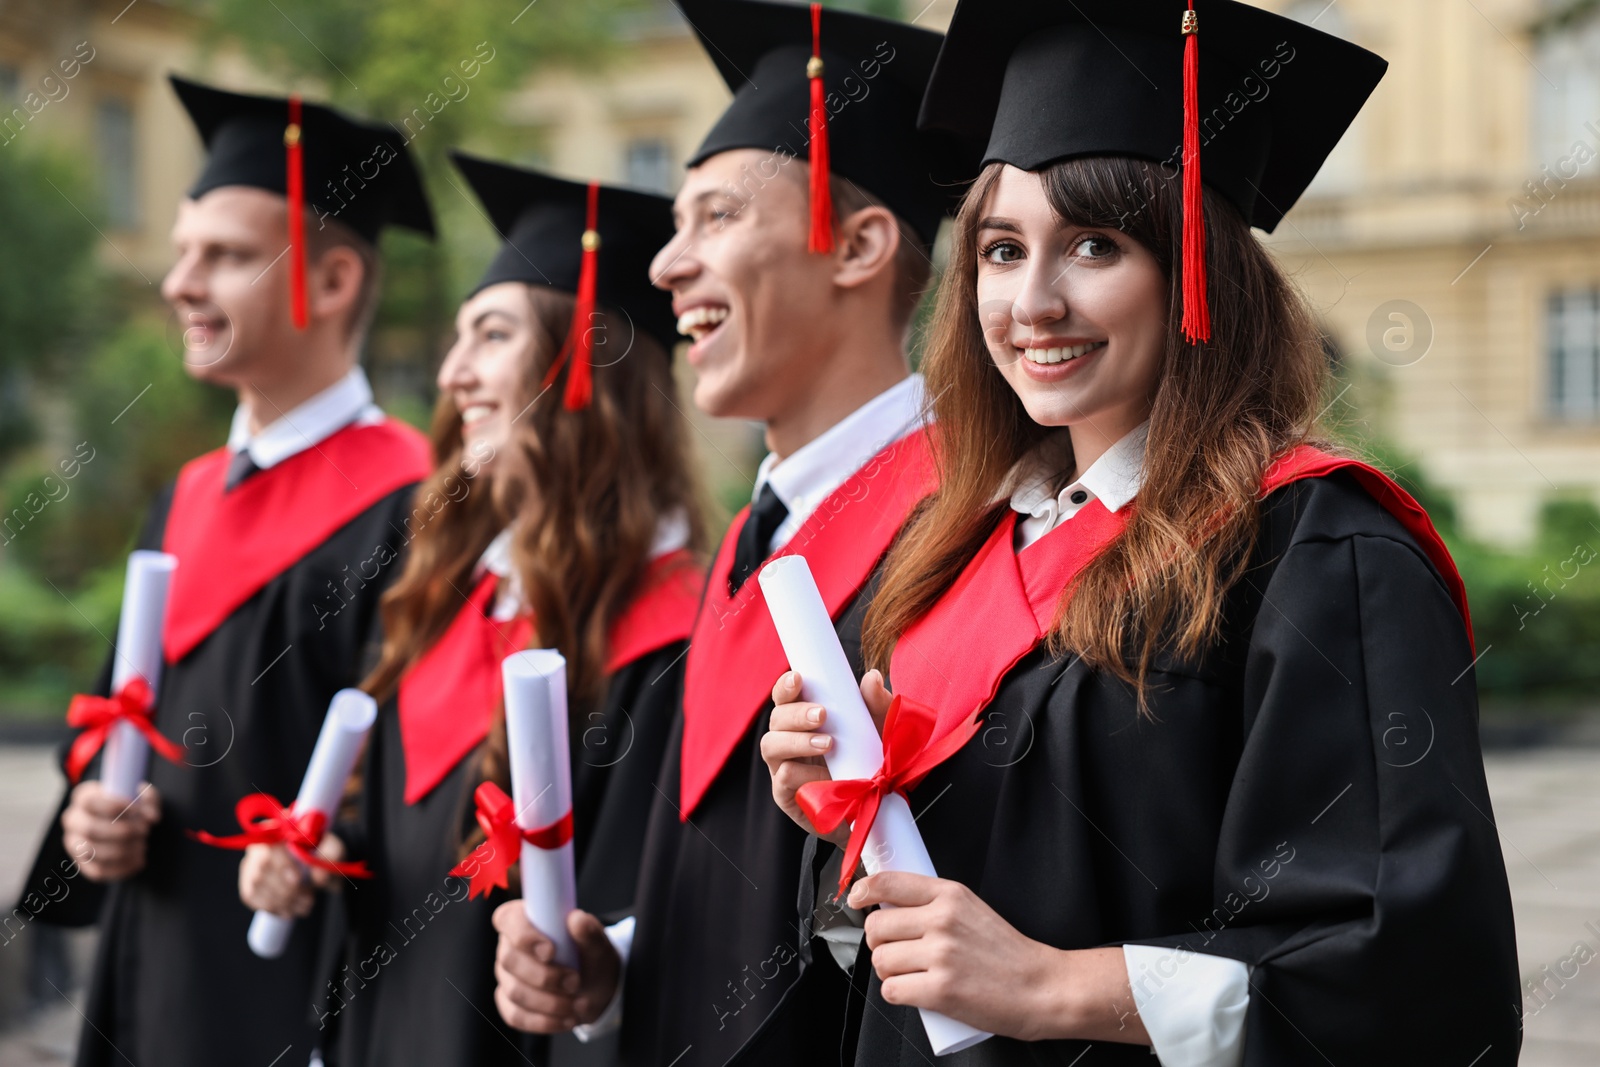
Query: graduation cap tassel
(821, 168)
(298, 310)
(579, 347)
(1196, 311)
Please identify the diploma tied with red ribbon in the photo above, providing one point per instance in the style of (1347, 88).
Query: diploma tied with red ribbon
(350, 716)
(119, 726)
(856, 759)
(489, 865)
(541, 789)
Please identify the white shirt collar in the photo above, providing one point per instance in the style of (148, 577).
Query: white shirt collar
(1113, 479)
(672, 534)
(307, 425)
(804, 479)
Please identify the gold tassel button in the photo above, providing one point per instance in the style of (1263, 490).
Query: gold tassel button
(1191, 23)
(814, 67)
(591, 240)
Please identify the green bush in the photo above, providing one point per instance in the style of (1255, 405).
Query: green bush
(52, 642)
(136, 417)
(71, 507)
(1536, 614)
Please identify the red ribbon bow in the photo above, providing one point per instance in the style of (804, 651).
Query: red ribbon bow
(489, 862)
(95, 716)
(267, 822)
(907, 756)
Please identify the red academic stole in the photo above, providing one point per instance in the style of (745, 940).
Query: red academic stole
(448, 697)
(948, 661)
(735, 656)
(230, 545)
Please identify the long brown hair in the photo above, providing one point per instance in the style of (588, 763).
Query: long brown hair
(586, 489)
(1221, 412)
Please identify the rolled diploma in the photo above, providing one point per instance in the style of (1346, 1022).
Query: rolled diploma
(351, 714)
(541, 788)
(812, 646)
(126, 755)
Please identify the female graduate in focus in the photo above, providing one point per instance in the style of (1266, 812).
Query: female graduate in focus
(1184, 697)
(562, 513)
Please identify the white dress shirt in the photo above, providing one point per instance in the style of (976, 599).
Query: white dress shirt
(1113, 479)
(346, 401)
(1192, 1005)
(672, 533)
(804, 479)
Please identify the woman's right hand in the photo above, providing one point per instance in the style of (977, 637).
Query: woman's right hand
(794, 749)
(272, 880)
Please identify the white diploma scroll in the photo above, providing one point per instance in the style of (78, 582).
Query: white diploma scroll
(351, 714)
(541, 788)
(812, 646)
(126, 755)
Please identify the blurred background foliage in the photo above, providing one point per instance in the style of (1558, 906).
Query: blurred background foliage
(90, 380)
(89, 361)
(1535, 612)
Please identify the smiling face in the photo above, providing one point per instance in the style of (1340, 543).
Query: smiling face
(1075, 317)
(229, 286)
(745, 289)
(486, 372)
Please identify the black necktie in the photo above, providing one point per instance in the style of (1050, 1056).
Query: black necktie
(766, 515)
(240, 467)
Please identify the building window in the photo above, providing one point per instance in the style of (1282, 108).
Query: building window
(118, 172)
(1573, 329)
(648, 164)
(1566, 89)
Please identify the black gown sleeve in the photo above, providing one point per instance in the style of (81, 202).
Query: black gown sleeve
(54, 893)
(1358, 869)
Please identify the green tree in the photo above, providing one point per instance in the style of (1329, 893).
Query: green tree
(1564, 15)
(438, 71)
(47, 280)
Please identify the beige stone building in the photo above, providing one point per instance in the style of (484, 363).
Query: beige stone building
(1452, 244)
(92, 74)
(1465, 302)
(1454, 249)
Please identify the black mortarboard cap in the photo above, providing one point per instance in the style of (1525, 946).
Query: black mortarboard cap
(874, 72)
(356, 172)
(541, 219)
(546, 223)
(1048, 81)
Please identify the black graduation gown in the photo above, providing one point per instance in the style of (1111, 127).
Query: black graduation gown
(722, 967)
(174, 982)
(719, 956)
(417, 981)
(1309, 799)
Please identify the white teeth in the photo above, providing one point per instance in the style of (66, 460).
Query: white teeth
(1059, 355)
(475, 413)
(697, 322)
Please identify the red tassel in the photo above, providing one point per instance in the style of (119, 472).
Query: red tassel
(299, 311)
(1196, 310)
(579, 346)
(821, 167)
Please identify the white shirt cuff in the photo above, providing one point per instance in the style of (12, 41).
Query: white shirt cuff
(1192, 1004)
(620, 934)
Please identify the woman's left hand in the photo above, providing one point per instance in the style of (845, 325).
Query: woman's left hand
(941, 947)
